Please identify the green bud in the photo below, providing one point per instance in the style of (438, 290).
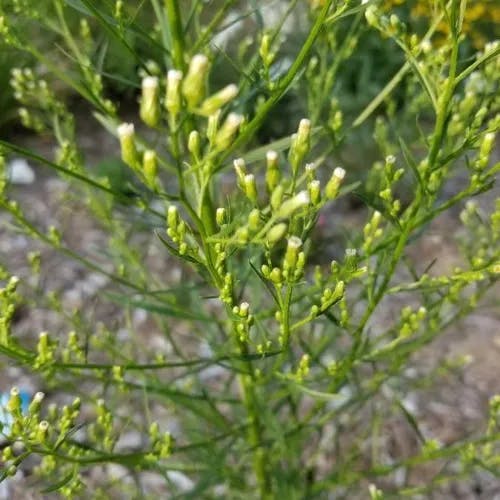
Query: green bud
(126, 134)
(173, 98)
(150, 105)
(276, 233)
(301, 143)
(277, 197)
(42, 431)
(193, 87)
(250, 187)
(275, 276)
(216, 101)
(228, 130)
(220, 216)
(150, 167)
(291, 205)
(273, 174)
(314, 188)
(254, 219)
(292, 252)
(212, 127)
(333, 185)
(194, 144)
(172, 217)
(241, 170)
(14, 404)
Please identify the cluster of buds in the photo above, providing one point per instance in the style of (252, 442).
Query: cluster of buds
(303, 368)
(161, 443)
(102, 429)
(23, 420)
(391, 176)
(8, 300)
(485, 149)
(265, 52)
(243, 322)
(227, 290)
(390, 26)
(46, 352)
(410, 321)
(372, 231)
(176, 229)
(220, 258)
(73, 350)
(329, 298)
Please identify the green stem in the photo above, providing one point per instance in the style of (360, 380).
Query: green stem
(177, 33)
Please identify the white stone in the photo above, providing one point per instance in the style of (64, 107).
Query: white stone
(20, 172)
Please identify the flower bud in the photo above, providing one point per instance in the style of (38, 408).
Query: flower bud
(194, 144)
(315, 191)
(216, 101)
(212, 127)
(193, 87)
(126, 134)
(228, 130)
(173, 99)
(254, 219)
(273, 174)
(220, 216)
(150, 167)
(250, 187)
(301, 143)
(241, 170)
(276, 233)
(292, 252)
(333, 185)
(291, 205)
(172, 217)
(150, 106)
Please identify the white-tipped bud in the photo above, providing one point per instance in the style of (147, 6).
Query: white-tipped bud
(150, 106)
(216, 101)
(292, 251)
(193, 87)
(240, 169)
(315, 191)
(244, 309)
(228, 130)
(333, 185)
(194, 144)
(172, 217)
(339, 173)
(220, 216)
(250, 187)
(173, 99)
(273, 174)
(150, 167)
(276, 233)
(301, 143)
(126, 135)
(290, 206)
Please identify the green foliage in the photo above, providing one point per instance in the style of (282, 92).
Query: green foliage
(304, 379)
